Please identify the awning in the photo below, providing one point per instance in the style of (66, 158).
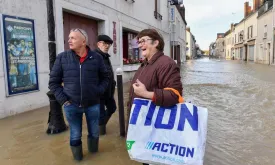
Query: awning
(252, 42)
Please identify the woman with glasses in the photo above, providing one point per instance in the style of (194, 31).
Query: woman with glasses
(158, 77)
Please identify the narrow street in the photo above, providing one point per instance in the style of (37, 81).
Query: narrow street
(240, 98)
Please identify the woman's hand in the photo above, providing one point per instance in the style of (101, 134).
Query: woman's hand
(140, 90)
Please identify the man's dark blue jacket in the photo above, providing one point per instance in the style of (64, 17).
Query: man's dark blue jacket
(83, 83)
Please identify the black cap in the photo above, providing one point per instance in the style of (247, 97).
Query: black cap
(104, 38)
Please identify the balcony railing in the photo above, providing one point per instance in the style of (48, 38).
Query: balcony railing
(265, 7)
(157, 15)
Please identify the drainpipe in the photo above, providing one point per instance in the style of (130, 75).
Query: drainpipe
(56, 123)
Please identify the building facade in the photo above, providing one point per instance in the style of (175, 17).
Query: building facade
(212, 47)
(190, 45)
(220, 46)
(229, 43)
(178, 34)
(250, 35)
(265, 34)
(121, 20)
(253, 37)
(239, 40)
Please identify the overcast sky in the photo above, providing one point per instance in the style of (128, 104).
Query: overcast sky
(206, 18)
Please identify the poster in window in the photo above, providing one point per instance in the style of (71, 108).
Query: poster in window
(19, 55)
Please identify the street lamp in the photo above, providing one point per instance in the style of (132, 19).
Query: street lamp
(56, 123)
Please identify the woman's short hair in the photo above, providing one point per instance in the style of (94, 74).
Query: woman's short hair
(154, 34)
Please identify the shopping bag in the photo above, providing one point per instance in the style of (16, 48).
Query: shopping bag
(173, 135)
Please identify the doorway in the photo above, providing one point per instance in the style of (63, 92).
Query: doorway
(269, 52)
(71, 21)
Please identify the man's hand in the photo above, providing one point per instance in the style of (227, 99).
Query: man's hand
(67, 103)
(140, 90)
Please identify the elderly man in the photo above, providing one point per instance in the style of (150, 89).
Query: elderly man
(107, 100)
(85, 78)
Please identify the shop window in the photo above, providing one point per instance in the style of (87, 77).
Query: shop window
(131, 52)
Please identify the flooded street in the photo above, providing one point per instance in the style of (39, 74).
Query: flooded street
(23, 141)
(240, 98)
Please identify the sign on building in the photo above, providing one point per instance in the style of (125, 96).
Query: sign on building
(172, 14)
(19, 55)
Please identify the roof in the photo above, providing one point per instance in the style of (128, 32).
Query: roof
(181, 10)
(227, 33)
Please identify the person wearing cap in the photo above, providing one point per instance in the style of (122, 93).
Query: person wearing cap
(107, 101)
(85, 78)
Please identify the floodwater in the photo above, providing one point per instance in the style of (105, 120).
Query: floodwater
(23, 141)
(240, 98)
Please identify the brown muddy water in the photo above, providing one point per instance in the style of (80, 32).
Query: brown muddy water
(240, 98)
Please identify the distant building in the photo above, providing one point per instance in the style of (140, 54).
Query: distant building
(191, 44)
(229, 43)
(220, 46)
(253, 37)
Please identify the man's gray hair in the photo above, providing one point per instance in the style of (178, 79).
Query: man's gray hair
(83, 32)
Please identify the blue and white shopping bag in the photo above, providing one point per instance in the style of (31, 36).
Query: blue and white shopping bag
(173, 135)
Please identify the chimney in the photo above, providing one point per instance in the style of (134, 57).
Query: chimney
(261, 2)
(188, 29)
(232, 27)
(256, 4)
(246, 5)
(220, 35)
(249, 10)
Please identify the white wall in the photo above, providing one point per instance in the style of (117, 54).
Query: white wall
(189, 44)
(220, 48)
(181, 35)
(228, 45)
(251, 21)
(237, 30)
(32, 9)
(194, 49)
(262, 43)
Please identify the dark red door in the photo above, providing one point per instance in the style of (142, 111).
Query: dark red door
(71, 21)
(178, 54)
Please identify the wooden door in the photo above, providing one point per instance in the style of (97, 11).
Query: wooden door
(71, 21)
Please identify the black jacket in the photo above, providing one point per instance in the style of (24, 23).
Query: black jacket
(112, 83)
(83, 83)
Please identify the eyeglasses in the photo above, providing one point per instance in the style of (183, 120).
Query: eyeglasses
(143, 41)
(79, 30)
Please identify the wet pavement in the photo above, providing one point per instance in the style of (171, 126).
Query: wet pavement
(240, 98)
